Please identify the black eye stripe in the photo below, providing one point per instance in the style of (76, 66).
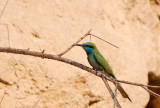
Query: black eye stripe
(88, 46)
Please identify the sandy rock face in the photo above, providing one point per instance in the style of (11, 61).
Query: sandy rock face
(54, 25)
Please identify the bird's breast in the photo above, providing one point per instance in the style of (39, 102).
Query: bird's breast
(94, 63)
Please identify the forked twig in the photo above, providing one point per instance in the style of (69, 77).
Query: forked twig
(88, 33)
(111, 92)
(136, 84)
(85, 35)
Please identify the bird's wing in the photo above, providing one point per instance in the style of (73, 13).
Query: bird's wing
(101, 60)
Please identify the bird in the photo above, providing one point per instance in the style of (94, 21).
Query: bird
(99, 63)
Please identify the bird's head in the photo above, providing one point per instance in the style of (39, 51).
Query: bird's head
(88, 47)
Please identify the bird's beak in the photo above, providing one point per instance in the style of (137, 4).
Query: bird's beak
(78, 44)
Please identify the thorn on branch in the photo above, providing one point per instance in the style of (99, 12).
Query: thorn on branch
(43, 53)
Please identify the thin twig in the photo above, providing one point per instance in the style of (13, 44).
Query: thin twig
(132, 83)
(8, 34)
(3, 97)
(5, 23)
(4, 9)
(34, 106)
(115, 97)
(151, 92)
(88, 33)
(104, 40)
(111, 92)
(9, 68)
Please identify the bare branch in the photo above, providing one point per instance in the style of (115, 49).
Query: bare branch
(111, 92)
(88, 33)
(68, 61)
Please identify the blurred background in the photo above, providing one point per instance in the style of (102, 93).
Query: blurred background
(53, 25)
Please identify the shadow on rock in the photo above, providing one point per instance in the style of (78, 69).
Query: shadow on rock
(153, 80)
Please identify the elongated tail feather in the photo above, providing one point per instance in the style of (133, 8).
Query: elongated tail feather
(122, 91)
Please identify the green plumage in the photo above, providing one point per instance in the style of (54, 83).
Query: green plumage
(98, 62)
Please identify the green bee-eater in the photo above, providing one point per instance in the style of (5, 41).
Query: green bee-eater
(98, 62)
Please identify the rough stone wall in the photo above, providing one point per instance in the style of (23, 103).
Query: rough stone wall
(53, 25)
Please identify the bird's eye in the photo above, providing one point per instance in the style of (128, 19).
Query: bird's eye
(89, 46)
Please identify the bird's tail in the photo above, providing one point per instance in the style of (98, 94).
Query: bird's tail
(122, 91)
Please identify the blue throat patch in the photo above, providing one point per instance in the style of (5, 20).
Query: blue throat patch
(87, 49)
